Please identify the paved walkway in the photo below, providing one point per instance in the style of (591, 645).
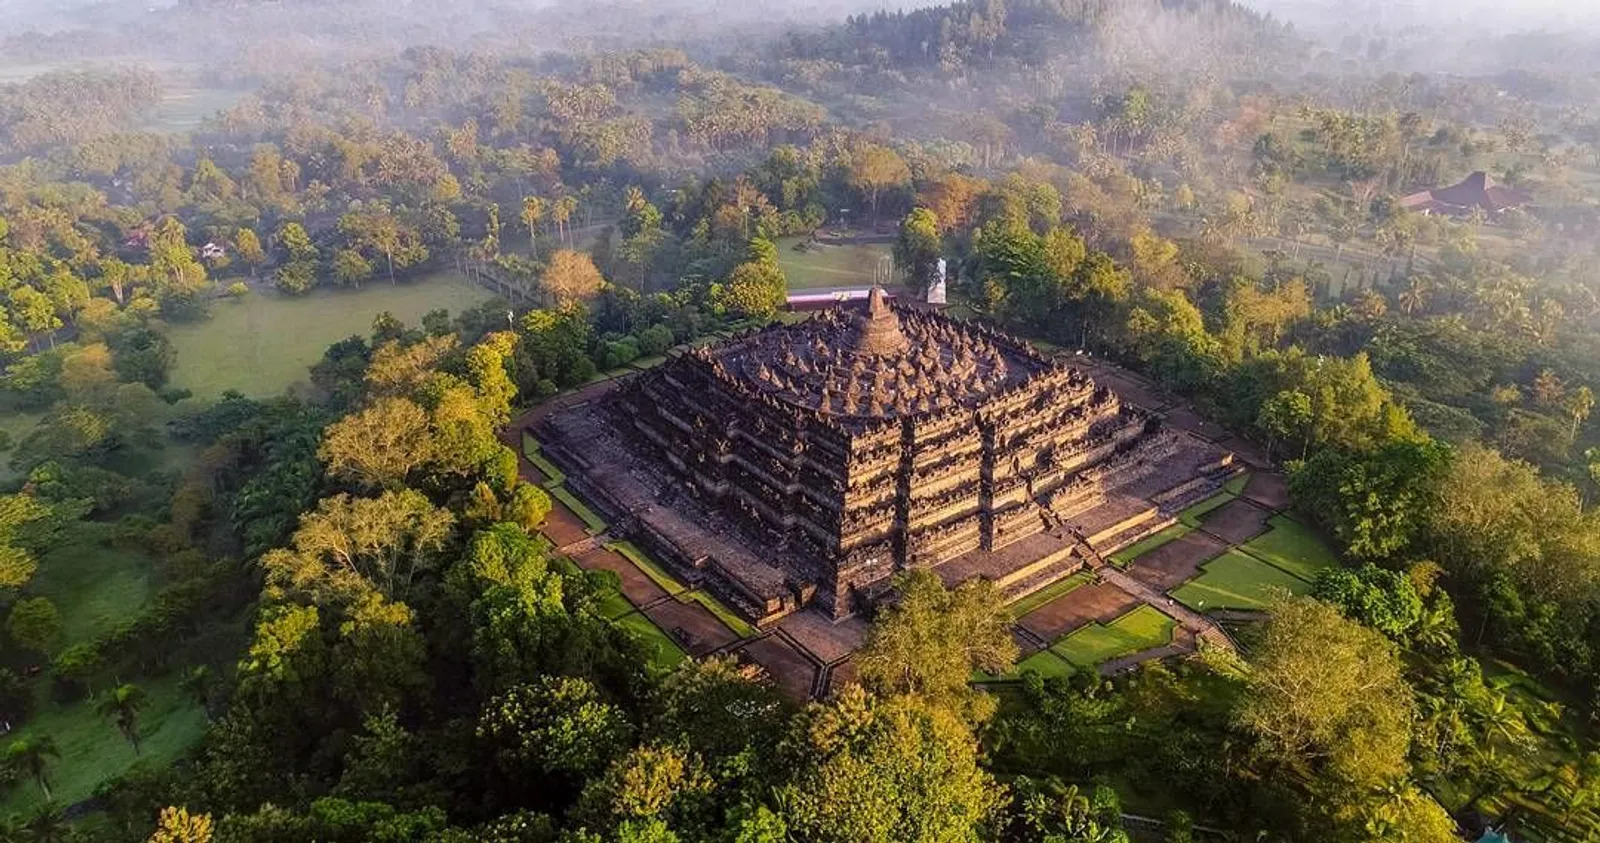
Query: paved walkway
(579, 548)
(1202, 627)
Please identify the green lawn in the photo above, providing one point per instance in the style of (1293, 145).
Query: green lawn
(1125, 556)
(1293, 547)
(664, 652)
(1049, 593)
(1143, 628)
(1236, 580)
(92, 750)
(651, 568)
(590, 520)
(648, 362)
(823, 266)
(264, 342)
(614, 605)
(1044, 663)
(94, 587)
(1237, 484)
(1193, 514)
(185, 106)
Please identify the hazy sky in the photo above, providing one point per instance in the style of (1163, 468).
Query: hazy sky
(1499, 16)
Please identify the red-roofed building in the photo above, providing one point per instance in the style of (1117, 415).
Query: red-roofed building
(1459, 200)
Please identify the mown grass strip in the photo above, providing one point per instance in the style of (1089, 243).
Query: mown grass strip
(1237, 580)
(613, 605)
(531, 451)
(1144, 628)
(1125, 557)
(1050, 592)
(1193, 514)
(665, 654)
(651, 568)
(1292, 547)
(591, 521)
(1237, 484)
(729, 618)
(1044, 663)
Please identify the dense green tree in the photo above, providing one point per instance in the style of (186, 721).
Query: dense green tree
(556, 726)
(1325, 699)
(35, 624)
(916, 251)
(930, 640)
(875, 770)
(1377, 505)
(1382, 599)
(753, 290)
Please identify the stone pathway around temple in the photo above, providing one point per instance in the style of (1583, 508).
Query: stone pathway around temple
(1203, 627)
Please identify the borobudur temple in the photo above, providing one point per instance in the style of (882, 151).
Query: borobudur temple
(804, 464)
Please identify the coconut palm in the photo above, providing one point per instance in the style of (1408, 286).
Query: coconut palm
(122, 704)
(31, 756)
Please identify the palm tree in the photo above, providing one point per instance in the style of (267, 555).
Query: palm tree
(1436, 630)
(31, 756)
(1415, 296)
(533, 209)
(198, 683)
(47, 825)
(123, 704)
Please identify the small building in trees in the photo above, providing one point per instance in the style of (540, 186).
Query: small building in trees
(1476, 192)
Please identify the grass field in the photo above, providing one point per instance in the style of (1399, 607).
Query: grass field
(830, 266)
(263, 343)
(1292, 547)
(1143, 628)
(1236, 485)
(651, 568)
(1044, 663)
(1049, 593)
(665, 653)
(93, 587)
(1125, 556)
(92, 750)
(185, 106)
(594, 523)
(614, 605)
(1236, 580)
(1193, 514)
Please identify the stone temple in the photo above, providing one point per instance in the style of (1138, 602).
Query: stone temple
(803, 465)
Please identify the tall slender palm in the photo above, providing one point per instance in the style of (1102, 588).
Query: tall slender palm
(122, 705)
(31, 757)
(533, 209)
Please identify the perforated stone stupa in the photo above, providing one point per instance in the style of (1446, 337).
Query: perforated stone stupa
(814, 460)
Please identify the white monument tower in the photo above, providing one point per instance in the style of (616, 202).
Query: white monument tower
(936, 289)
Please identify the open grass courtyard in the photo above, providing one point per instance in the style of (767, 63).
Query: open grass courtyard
(821, 266)
(1237, 580)
(1292, 547)
(1144, 628)
(264, 342)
